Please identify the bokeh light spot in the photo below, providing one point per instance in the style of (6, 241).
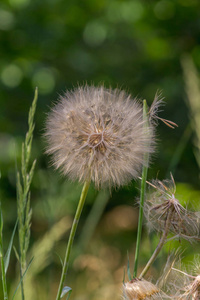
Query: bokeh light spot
(11, 75)
(6, 20)
(164, 10)
(19, 3)
(94, 33)
(131, 11)
(44, 79)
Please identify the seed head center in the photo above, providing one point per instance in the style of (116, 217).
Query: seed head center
(95, 139)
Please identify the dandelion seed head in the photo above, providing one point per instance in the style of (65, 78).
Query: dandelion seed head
(98, 133)
(161, 200)
(187, 286)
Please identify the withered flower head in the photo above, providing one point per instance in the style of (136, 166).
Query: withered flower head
(192, 290)
(162, 201)
(98, 133)
(139, 289)
(187, 286)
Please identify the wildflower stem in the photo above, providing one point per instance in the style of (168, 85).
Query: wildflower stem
(71, 237)
(160, 244)
(142, 193)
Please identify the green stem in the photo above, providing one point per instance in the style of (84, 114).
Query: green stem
(71, 237)
(142, 193)
(160, 244)
(21, 282)
(5, 292)
(4, 283)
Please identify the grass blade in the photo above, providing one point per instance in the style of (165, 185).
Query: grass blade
(3, 274)
(128, 268)
(7, 256)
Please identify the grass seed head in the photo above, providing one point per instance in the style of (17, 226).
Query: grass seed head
(98, 133)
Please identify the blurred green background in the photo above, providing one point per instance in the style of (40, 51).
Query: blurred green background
(140, 46)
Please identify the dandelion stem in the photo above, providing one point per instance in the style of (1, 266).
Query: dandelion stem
(142, 193)
(71, 237)
(160, 244)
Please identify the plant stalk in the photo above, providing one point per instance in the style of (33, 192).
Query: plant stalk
(160, 244)
(71, 237)
(142, 193)
(4, 284)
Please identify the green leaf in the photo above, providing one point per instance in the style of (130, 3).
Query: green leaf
(61, 261)
(1, 221)
(128, 268)
(16, 253)
(7, 256)
(66, 290)
(124, 276)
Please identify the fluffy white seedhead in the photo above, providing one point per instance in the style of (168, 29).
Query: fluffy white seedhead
(161, 200)
(98, 133)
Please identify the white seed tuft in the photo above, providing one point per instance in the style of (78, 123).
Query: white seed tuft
(98, 133)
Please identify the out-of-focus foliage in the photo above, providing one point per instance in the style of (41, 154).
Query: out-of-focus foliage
(136, 45)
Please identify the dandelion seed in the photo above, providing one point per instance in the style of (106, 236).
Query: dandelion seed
(155, 109)
(98, 133)
(160, 202)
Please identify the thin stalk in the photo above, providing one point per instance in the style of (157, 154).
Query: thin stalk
(71, 237)
(3, 270)
(160, 244)
(21, 282)
(4, 284)
(142, 193)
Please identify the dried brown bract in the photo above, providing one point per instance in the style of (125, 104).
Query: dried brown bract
(98, 133)
(161, 200)
(139, 289)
